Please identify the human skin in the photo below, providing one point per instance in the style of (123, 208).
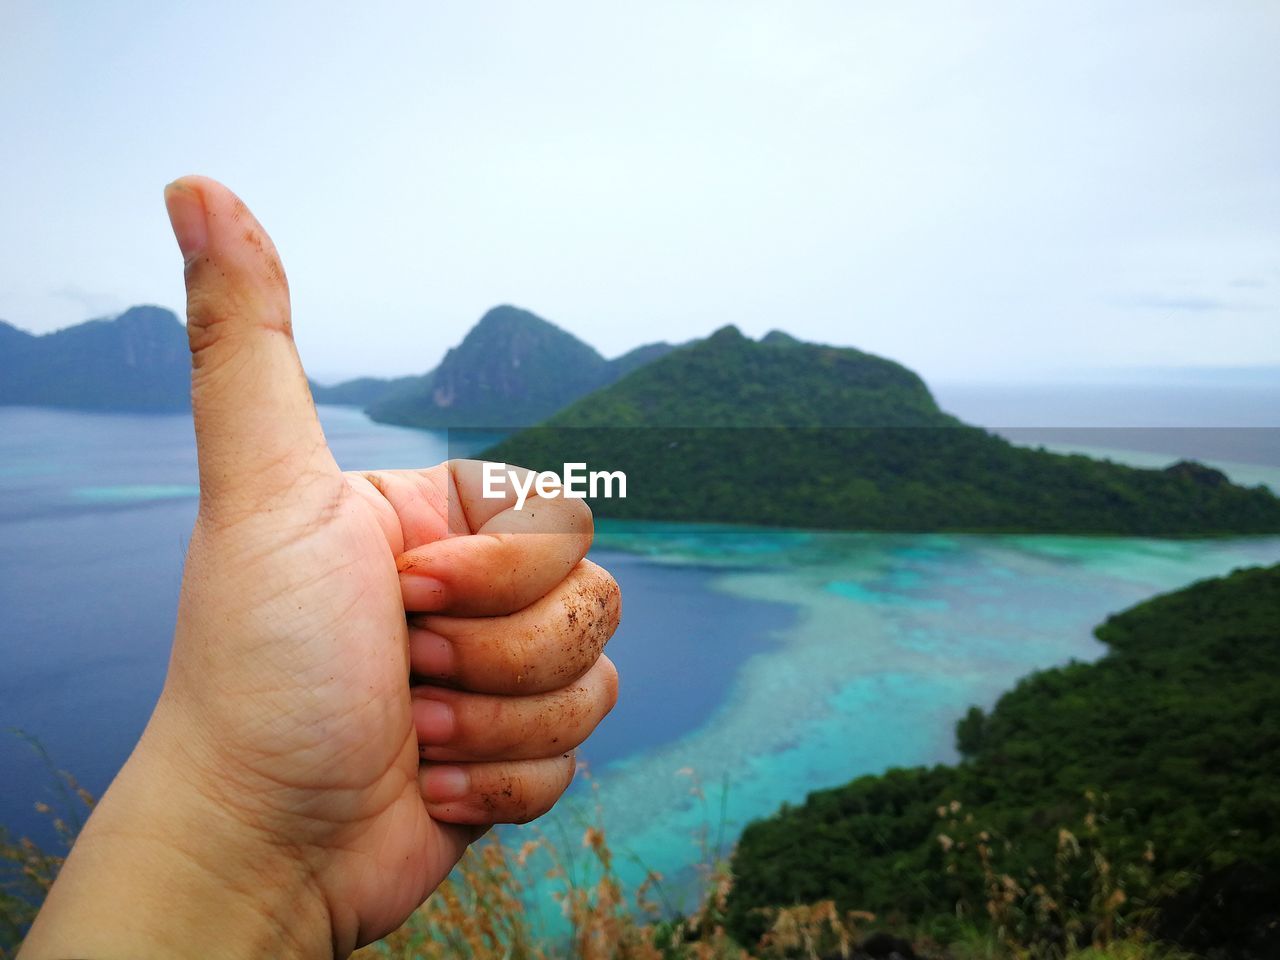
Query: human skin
(293, 795)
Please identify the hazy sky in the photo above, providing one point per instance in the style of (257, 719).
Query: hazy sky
(985, 190)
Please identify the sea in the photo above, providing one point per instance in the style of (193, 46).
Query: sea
(757, 665)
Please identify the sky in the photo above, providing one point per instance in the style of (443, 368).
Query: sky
(995, 191)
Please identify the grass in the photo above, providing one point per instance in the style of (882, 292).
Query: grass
(26, 870)
(480, 913)
(486, 909)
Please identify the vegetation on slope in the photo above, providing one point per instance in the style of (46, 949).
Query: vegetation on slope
(1176, 733)
(511, 370)
(786, 433)
(728, 380)
(482, 911)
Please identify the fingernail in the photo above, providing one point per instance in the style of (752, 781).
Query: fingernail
(187, 215)
(430, 655)
(421, 593)
(433, 720)
(444, 783)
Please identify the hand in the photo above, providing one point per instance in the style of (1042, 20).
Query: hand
(276, 803)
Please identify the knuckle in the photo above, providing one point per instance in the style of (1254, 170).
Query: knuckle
(519, 660)
(612, 594)
(552, 780)
(580, 519)
(505, 563)
(506, 795)
(603, 694)
(503, 737)
(608, 683)
(214, 354)
(220, 310)
(600, 594)
(508, 550)
(206, 317)
(515, 789)
(522, 803)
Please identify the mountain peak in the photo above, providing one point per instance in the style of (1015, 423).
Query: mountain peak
(727, 334)
(518, 335)
(147, 315)
(780, 338)
(511, 369)
(506, 316)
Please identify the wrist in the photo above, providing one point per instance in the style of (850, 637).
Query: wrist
(162, 870)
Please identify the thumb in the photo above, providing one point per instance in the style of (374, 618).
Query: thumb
(256, 429)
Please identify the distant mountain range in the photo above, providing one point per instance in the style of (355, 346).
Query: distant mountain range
(360, 392)
(512, 370)
(724, 429)
(788, 433)
(136, 361)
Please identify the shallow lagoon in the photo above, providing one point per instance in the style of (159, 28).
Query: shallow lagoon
(894, 638)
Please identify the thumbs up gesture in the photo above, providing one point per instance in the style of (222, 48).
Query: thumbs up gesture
(369, 669)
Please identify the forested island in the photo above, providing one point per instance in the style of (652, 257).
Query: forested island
(1161, 761)
(784, 433)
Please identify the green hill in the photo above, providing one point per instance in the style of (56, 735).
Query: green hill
(786, 433)
(136, 361)
(728, 380)
(360, 392)
(1178, 725)
(511, 370)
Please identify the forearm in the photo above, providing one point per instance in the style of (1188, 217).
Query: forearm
(160, 871)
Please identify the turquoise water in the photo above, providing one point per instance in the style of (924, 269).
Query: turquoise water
(895, 637)
(136, 492)
(757, 665)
